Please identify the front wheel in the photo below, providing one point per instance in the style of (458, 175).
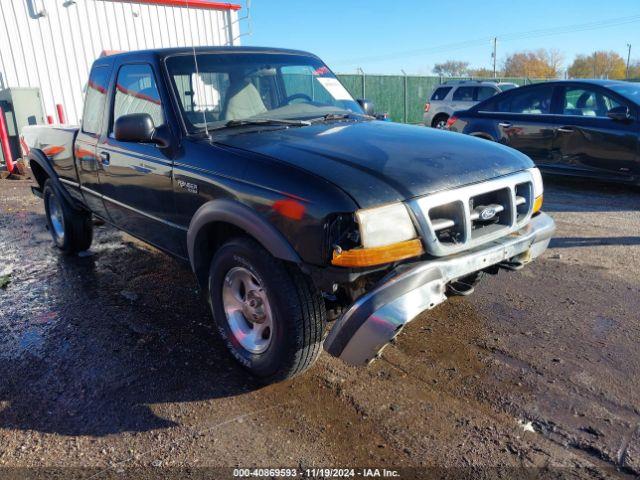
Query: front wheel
(268, 313)
(71, 230)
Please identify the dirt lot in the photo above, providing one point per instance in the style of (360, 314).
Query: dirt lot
(109, 362)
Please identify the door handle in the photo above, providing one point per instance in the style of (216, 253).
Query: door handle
(105, 158)
(505, 124)
(565, 129)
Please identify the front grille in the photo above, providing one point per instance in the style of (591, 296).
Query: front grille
(459, 219)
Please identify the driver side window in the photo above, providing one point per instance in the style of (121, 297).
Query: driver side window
(137, 92)
(586, 102)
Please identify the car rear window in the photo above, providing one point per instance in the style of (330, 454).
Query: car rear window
(440, 93)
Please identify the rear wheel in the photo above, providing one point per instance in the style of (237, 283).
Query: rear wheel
(268, 313)
(71, 230)
(440, 121)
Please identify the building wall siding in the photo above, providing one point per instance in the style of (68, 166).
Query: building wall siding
(51, 44)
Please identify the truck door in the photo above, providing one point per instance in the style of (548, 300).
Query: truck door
(137, 182)
(88, 163)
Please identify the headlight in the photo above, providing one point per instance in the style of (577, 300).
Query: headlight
(387, 235)
(538, 189)
(385, 225)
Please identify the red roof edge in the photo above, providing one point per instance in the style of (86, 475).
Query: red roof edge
(204, 4)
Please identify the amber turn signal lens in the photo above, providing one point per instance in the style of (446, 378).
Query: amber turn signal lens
(367, 257)
(537, 204)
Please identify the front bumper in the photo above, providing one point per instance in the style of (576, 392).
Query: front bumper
(377, 317)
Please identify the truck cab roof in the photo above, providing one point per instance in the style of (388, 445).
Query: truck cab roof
(159, 53)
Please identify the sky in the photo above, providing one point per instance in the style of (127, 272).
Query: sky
(388, 36)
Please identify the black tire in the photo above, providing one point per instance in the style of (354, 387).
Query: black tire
(298, 310)
(441, 117)
(76, 225)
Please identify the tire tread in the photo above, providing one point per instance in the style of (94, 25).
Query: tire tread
(78, 224)
(302, 303)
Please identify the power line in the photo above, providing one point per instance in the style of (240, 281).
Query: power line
(583, 27)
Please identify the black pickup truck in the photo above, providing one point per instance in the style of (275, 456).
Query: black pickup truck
(292, 204)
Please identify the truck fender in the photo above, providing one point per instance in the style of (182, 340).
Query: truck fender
(236, 214)
(38, 157)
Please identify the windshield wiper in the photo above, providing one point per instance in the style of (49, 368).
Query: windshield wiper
(262, 121)
(330, 117)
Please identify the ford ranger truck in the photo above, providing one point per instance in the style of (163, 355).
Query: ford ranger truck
(292, 204)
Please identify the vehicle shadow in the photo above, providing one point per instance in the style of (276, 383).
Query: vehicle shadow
(89, 345)
(572, 194)
(570, 242)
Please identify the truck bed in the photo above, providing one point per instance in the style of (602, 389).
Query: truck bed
(57, 143)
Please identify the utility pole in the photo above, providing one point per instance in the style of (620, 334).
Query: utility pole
(405, 95)
(628, 58)
(495, 47)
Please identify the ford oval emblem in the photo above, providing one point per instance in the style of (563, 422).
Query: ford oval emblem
(488, 213)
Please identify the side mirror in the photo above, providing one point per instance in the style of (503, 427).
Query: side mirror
(136, 127)
(619, 114)
(367, 107)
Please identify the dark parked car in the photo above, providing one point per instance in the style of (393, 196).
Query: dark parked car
(586, 128)
(290, 203)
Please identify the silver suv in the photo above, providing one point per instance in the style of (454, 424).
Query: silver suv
(459, 95)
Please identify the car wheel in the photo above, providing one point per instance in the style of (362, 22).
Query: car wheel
(440, 122)
(71, 230)
(269, 314)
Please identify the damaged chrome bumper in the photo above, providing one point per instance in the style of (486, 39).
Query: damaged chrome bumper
(361, 333)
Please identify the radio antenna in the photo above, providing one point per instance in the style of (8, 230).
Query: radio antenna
(198, 79)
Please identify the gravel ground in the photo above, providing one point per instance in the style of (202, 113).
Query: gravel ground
(109, 362)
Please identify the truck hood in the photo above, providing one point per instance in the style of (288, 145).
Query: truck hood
(380, 162)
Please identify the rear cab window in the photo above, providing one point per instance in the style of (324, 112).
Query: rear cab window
(440, 93)
(95, 97)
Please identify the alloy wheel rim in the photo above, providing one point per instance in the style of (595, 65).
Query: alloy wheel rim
(247, 309)
(57, 218)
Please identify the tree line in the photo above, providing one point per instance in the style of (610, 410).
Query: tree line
(547, 63)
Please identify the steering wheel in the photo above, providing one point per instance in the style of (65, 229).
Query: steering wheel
(296, 96)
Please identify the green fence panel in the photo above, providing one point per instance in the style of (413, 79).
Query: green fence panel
(403, 98)
(386, 92)
(419, 89)
(353, 83)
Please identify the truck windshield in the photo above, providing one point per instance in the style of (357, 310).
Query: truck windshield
(240, 86)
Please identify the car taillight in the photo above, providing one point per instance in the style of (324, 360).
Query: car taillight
(427, 106)
(451, 121)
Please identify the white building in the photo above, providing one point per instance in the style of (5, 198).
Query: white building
(51, 44)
